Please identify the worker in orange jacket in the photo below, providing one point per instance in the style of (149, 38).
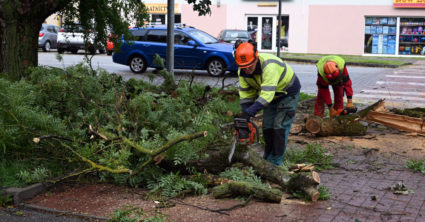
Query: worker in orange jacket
(333, 71)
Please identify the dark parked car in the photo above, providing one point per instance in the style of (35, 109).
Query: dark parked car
(194, 49)
(47, 37)
(231, 35)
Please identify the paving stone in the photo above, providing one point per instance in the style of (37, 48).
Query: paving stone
(325, 218)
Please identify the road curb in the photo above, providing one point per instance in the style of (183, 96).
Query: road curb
(313, 61)
(25, 193)
(87, 217)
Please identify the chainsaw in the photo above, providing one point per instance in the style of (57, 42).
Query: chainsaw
(348, 111)
(246, 132)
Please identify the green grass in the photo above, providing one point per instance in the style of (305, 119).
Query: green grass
(378, 60)
(416, 165)
(304, 96)
(312, 153)
(325, 193)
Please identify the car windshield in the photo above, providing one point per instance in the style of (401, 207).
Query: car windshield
(73, 28)
(233, 35)
(204, 37)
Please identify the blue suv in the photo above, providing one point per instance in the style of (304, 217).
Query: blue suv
(194, 49)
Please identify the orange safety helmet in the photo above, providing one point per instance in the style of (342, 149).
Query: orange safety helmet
(246, 54)
(331, 70)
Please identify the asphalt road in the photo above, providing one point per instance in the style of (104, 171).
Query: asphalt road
(363, 77)
(402, 87)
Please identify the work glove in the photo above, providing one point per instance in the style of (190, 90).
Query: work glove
(332, 112)
(349, 105)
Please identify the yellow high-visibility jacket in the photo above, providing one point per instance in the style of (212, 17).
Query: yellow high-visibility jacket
(274, 77)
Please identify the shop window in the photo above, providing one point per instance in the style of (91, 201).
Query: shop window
(412, 36)
(158, 19)
(161, 19)
(266, 38)
(283, 31)
(252, 27)
(380, 35)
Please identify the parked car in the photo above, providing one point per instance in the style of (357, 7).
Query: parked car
(231, 35)
(47, 37)
(71, 38)
(194, 49)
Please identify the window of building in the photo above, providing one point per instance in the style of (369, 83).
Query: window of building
(161, 19)
(412, 36)
(380, 35)
(383, 37)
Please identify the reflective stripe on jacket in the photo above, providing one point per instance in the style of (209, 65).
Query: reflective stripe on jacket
(275, 77)
(339, 61)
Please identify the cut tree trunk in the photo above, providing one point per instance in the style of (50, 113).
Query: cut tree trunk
(400, 122)
(338, 126)
(347, 125)
(217, 161)
(239, 188)
(380, 114)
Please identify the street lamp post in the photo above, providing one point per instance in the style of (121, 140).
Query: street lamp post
(170, 37)
(278, 29)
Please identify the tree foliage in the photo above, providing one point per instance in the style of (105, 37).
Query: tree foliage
(63, 108)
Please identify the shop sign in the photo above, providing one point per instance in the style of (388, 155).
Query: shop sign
(159, 8)
(267, 4)
(409, 4)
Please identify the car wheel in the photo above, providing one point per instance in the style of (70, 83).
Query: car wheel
(92, 50)
(47, 46)
(216, 67)
(74, 51)
(60, 51)
(138, 64)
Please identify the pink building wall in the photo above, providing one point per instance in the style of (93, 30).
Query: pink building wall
(340, 29)
(212, 24)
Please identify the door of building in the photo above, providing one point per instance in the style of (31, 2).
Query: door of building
(262, 29)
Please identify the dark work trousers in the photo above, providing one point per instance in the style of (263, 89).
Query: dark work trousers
(277, 120)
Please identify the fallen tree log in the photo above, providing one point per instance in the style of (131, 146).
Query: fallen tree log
(339, 126)
(239, 188)
(346, 125)
(216, 161)
(380, 114)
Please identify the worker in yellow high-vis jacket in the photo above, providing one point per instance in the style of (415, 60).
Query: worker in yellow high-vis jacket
(268, 83)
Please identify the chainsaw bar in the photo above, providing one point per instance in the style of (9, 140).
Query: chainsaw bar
(232, 150)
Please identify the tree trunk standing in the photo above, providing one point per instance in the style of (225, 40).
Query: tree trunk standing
(20, 23)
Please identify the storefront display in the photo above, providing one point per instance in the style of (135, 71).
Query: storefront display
(412, 36)
(381, 34)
